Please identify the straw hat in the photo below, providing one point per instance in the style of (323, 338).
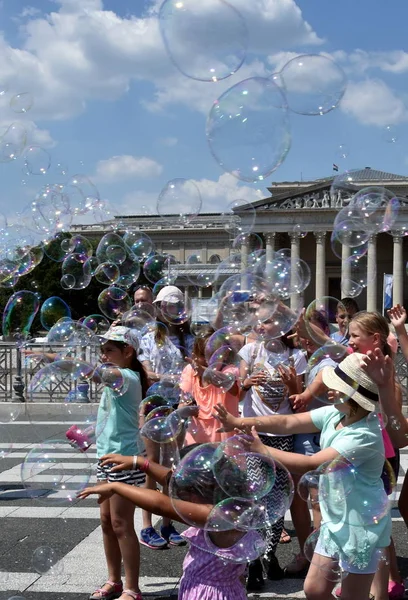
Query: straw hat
(350, 379)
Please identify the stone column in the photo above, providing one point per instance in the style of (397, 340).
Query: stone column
(200, 292)
(320, 283)
(270, 251)
(244, 254)
(397, 269)
(294, 257)
(372, 274)
(204, 257)
(182, 251)
(345, 270)
(186, 294)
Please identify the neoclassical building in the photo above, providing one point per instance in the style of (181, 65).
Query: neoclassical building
(298, 215)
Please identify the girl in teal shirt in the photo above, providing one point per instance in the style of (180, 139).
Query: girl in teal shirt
(356, 522)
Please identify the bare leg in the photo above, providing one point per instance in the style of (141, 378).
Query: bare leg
(379, 586)
(122, 514)
(110, 543)
(299, 511)
(318, 587)
(153, 454)
(394, 572)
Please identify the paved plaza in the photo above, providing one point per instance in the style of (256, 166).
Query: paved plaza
(72, 529)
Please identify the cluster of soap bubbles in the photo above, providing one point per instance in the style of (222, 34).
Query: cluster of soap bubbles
(217, 475)
(368, 211)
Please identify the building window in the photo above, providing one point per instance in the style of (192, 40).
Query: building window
(215, 259)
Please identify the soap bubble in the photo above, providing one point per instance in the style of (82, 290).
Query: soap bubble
(139, 243)
(13, 142)
(37, 161)
(324, 308)
(109, 375)
(163, 430)
(9, 412)
(116, 254)
(357, 275)
(113, 302)
(45, 561)
(78, 267)
(52, 310)
(153, 402)
(282, 317)
(176, 312)
(231, 472)
(390, 134)
(232, 224)
(342, 151)
(377, 207)
(248, 129)
(111, 243)
(21, 103)
(107, 273)
(83, 194)
(129, 272)
(220, 375)
(98, 324)
(52, 248)
(333, 572)
(19, 314)
(77, 244)
(181, 197)
(157, 267)
(308, 486)
(43, 473)
(314, 84)
(205, 41)
(67, 282)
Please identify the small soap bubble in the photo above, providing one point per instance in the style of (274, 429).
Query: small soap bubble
(45, 561)
(390, 134)
(21, 103)
(37, 161)
(181, 197)
(114, 302)
(107, 273)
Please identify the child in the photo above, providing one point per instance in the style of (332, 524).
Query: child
(346, 309)
(203, 427)
(266, 386)
(345, 431)
(208, 574)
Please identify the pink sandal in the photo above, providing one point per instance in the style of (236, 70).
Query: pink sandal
(115, 592)
(132, 594)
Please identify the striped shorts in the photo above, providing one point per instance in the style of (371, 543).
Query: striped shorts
(131, 477)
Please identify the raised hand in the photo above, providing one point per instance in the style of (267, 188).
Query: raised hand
(379, 367)
(228, 421)
(398, 316)
(299, 403)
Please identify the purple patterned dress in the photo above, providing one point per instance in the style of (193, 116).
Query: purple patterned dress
(213, 573)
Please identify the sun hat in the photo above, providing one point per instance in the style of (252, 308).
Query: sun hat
(349, 378)
(170, 293)
(119, 333)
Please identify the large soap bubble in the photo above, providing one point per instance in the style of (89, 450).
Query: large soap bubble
(114, 302)
(248, 129)
(77, 270)
(19, 315)
(314, 84)
(205, 40)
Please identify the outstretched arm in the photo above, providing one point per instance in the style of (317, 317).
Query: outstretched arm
(279, 424)
(150, 500)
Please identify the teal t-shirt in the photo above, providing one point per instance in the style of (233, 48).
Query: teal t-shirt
(117, 426)
(355, 508)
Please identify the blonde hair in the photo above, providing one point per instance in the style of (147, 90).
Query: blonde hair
(374, 322)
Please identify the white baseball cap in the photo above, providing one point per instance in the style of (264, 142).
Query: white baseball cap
(122, 334)
(170, 293)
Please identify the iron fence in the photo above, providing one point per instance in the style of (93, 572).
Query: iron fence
(16, 374)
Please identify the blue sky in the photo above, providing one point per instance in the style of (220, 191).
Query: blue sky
(108, 102)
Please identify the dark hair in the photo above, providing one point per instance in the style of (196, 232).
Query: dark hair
(285, 339)
(136, 366)
(320, 317)
(348, 304)
(201, 339)
(181, 331)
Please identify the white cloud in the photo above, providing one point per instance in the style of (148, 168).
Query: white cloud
(82, 52)
(215, 195)
(372, 102)
(119, 168)
(29, 11)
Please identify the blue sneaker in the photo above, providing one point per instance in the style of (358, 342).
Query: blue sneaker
(150, 538)
(173, 537)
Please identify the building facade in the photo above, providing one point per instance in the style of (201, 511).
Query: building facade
(297, 215)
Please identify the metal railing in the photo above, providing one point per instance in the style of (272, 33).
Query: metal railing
(15, 377)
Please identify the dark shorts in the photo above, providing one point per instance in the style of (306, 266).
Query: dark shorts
(131, 477)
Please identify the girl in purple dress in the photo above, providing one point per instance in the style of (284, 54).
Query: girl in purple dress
(215, 564)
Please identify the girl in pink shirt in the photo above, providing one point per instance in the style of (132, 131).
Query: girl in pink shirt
(194, 382)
